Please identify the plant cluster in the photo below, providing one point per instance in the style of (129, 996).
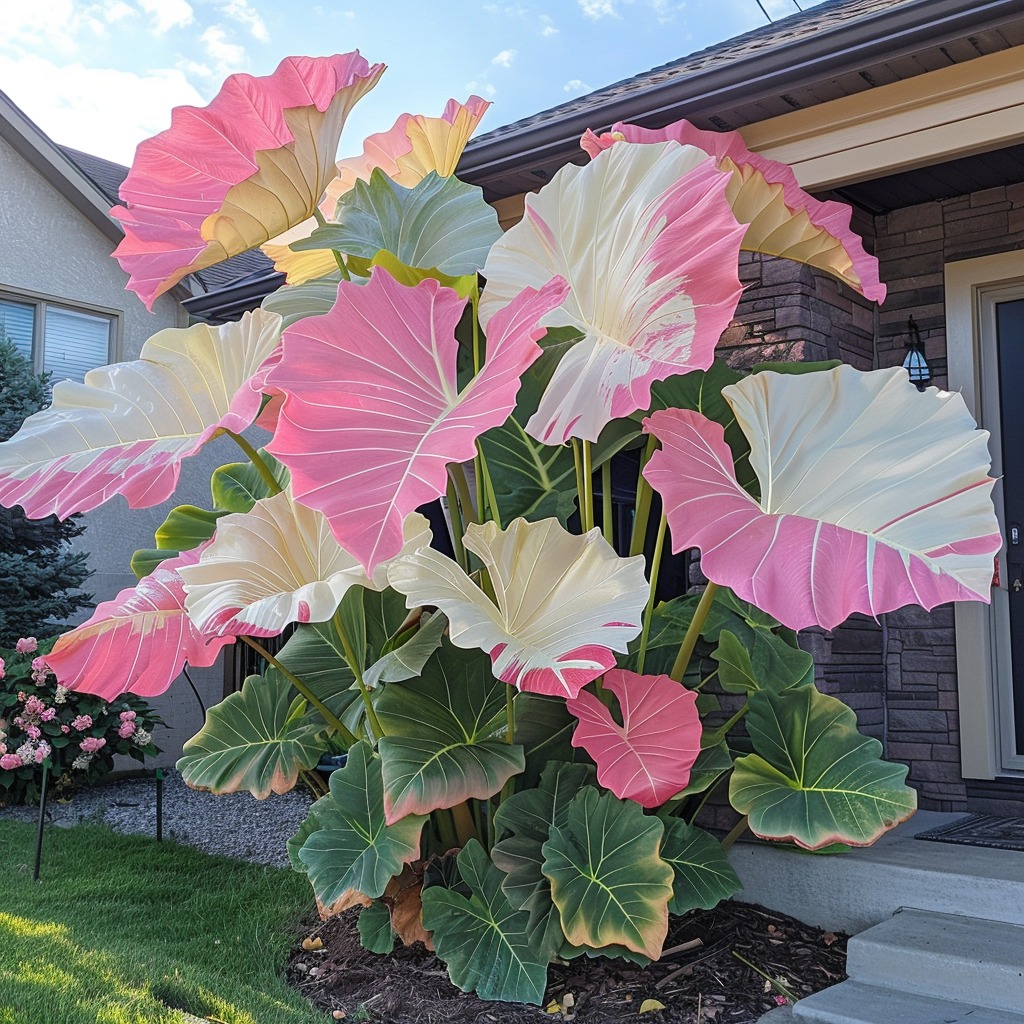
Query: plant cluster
(530, 734)
(75, 733)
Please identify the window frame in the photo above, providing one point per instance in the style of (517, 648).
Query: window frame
(41, 301)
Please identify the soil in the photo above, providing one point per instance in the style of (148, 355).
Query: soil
(700, 978)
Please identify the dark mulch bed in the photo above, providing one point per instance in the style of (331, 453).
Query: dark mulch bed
(699, 973)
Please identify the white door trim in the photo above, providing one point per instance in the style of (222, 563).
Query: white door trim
(982, 647)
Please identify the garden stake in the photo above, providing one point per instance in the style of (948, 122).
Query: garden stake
(159, 805)
(42, 820)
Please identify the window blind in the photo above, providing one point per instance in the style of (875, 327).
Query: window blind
(17, 321)
(74, 342)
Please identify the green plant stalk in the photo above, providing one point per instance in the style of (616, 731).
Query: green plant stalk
(314, 784)
(580, 489)
(357, 671)
(606, 502)
(458, 529)
(642, 509)
(510, 738)
(588, 482)
(707, 794)
(737, 830)
(465, 826)
(474, 299)
(338, 258)
(722, 731)
(774, 982)
(446, 828)
(492, 499)
(700, 616)
(254, 457)
(659, 546)
(304, 690)
(458, 474)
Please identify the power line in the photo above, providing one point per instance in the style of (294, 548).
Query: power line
(763, 11)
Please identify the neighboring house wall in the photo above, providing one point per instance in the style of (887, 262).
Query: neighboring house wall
(50, 250)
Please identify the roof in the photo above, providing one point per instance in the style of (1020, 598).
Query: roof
(836, 48)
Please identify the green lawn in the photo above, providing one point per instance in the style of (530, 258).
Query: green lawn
(125, 930)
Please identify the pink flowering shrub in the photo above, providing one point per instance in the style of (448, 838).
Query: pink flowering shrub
(78, 733)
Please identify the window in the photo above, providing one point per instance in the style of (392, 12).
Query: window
(57, 338)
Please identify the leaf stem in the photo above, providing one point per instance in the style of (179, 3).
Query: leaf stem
(458, 529)
(357, 671)
(581, 491)
(700, 615)
(303, 689)
(492, 499)
(644, 494)
(588, 482)
(606, 502)
(737, 830)
(338, 258)
(457, 472)
(465, 827)
(254, 457)
(659, 546)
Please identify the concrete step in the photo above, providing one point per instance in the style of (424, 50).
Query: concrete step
(943, 956)
(856, 1003)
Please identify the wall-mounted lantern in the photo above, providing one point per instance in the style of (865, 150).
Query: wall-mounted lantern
(915, 364)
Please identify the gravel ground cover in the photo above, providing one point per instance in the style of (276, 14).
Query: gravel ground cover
(235, 825)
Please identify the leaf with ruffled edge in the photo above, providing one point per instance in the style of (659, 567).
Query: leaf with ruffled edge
(276, 564)
(129, 426)
(354, 847)
(565, 603)
(874, 495)
(703, 875)
(650, 247)
(481, 939)
(781, 218)
(372, 413)
(647, 758)
(229, 176)
(256, 739)
(138, 642)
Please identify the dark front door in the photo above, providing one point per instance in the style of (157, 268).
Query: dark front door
(1010, 342)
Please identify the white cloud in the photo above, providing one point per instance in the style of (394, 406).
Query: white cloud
(576, 85)
(228, 57)
(97, 110)
(504, 59)
(168, 14)
(597, 9)
(249, 17)
(56, 25)
(547, 27)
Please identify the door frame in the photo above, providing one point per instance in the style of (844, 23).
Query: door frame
(984, 679)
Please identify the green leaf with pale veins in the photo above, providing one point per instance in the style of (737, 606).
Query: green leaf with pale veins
(294, 302)
(354, 847)
(237, 486)
(407, 660)
(445, 735)
(374, 925)
(257, 739)
(482, 939)
(608, 879)
(440, 223)
(766, 662)
(703, 875)
(813, 778)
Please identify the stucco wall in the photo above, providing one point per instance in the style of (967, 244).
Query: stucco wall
(51, 250)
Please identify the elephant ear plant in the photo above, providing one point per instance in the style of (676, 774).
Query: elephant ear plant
(531, 735)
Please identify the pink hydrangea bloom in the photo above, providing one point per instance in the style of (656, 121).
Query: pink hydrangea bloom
(126, 730)
(39, 665)
(42, 752)
(92, 744)
(127, 716)
(27, 645)
(34, 706)
(65, 729)
(81, 722)
(33, 732)
(48, 715)
(9, 762)
(3, 669)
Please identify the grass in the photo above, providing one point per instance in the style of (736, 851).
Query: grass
(125, 930)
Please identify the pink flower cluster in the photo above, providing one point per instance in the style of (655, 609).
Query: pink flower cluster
(27, 645)
(126, 730)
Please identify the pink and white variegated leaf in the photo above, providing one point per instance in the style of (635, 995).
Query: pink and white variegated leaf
(127, 429)
(781, 218)
(650, 247)
(277, 564)
(372, 414)
(139, 641)
(564, 603)
(648, 758)
(232, 175)
(874, 496)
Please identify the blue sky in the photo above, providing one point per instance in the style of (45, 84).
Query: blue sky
(101, 75)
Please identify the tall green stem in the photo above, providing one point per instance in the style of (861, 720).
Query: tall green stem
(581, 491)
(458, 528)
(492, 499)
(682, 661)
(737, 830)
(644, 495)
(254, 457)
(331, 719)
(338, 258)
(458, 474)
(606, 502)
(357, 671)
(659, 546)
(588, 482)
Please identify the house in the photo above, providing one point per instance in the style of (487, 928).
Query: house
(63, 302)
(912, 112)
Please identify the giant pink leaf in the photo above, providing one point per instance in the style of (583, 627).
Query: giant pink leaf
(873, 495)
(372, 414)
(650, 248)
(648, 758)
(227, 177)
(138, 642)
(127, 429)
(781, 218)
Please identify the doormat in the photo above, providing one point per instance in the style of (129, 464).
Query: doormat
(980, 830)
